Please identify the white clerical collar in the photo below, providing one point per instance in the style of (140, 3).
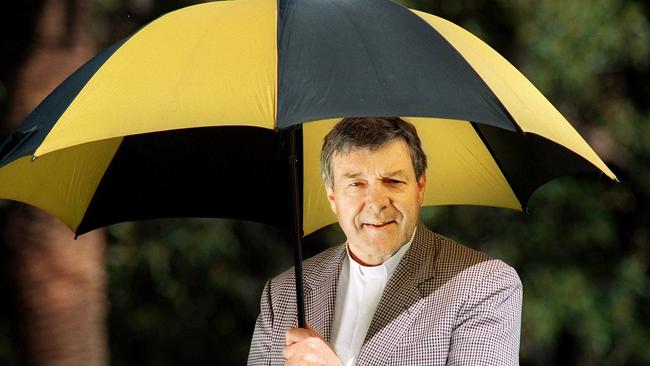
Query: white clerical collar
(383, 270)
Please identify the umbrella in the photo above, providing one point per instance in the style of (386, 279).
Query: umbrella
(199, 114)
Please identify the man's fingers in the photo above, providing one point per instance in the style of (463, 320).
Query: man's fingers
(290, 351)
(306, 347)
(295, 335)
(307, 352)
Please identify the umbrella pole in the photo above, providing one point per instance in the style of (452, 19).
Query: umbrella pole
(297, 226)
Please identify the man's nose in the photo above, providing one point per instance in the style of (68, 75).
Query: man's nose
(377, 197)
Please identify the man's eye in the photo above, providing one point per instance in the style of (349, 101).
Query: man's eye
(356, 184)
(393, 181)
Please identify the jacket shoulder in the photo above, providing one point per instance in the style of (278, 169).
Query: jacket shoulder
(453, 254)
(454, 263)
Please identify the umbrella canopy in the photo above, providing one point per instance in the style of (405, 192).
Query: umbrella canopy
(181, 118)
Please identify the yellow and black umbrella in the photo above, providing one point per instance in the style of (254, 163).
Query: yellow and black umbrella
(186, 116)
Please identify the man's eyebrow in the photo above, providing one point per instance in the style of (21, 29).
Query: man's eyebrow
(395, 173)
(398, 172)
(352, 175)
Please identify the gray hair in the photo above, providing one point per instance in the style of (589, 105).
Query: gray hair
(370, 133)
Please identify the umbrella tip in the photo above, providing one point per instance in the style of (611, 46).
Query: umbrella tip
(33, 158)
(526, 212)
(76, 236)
(616, 180)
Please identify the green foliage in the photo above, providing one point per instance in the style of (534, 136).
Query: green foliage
(571, 43)
(187, 291)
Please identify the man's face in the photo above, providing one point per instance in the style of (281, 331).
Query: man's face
(377, 199)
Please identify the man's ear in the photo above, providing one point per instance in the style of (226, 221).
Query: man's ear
(422, 185)
(331, 198)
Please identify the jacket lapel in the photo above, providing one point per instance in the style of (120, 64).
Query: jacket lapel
(320, 294)
(400, 303)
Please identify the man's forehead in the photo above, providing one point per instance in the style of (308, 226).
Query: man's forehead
(348, 149)
(356, 161)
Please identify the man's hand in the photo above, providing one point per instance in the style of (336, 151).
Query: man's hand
(306, 347)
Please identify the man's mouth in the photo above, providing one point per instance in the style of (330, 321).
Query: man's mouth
(378, 225)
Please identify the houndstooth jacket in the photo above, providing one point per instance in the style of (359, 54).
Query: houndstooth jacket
(445, 304)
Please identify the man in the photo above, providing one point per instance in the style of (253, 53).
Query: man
(395, 293)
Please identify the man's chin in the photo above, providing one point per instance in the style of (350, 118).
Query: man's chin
(386, 235)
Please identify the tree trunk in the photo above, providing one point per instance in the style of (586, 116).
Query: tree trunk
(59, 284)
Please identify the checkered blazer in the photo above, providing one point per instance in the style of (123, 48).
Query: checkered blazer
(445, 304)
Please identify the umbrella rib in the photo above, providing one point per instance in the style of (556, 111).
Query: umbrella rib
(487, 145)
(507, 112)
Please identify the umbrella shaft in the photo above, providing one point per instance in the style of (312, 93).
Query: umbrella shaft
(297, 225)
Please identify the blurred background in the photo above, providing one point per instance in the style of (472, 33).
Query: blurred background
(171, 292)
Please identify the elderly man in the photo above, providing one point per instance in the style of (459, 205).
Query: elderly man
(394, 293)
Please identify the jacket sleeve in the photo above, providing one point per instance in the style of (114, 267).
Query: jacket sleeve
(489, 324)
(260, 351)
